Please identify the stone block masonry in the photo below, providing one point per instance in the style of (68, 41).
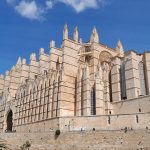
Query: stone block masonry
(80, 86)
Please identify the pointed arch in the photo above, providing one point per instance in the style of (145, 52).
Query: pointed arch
(82, 93)
(53, 98)
(9, 121)
(58, 84)
(123, 81)
(58, 64)
(40, 99)
(93, 100)
(75, 96)
(110, 86)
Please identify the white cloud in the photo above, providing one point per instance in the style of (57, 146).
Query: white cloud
(49, 4)
(35, 11)
(80, 5)
(10, 1)
(30, 10)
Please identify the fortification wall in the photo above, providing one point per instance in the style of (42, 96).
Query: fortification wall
(136, 105)
(114, 122)
(108, 122)
(93, 140)
(41, 126)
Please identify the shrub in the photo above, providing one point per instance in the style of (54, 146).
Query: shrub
(25, 146)
(57, 132)
(3, 145)
(125, 130)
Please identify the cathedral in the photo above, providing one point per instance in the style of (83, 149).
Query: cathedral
(80, 86)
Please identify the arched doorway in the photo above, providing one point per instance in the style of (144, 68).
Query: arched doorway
(9, 121)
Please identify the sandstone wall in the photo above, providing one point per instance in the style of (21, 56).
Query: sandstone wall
(93, 140)
(107, 122)
(140, 104)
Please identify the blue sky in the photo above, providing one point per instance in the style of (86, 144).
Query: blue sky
(27, 25)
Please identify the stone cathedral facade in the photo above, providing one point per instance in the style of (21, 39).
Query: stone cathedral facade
(77, 87)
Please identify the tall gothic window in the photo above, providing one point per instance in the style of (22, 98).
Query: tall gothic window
(110, 87)
(53, 98)
(82, 95)
(41, 88)
(123, 81)
(58, 84)
(44, 90)
(75, 97)
(142, 78)
(57, 64)
(93, 101)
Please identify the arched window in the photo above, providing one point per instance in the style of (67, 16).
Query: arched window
(33, 93)
(44, 101)
(24, 96)
(142, 78)
(82, 95)
(93, 101)
(57, 64)
(57, 96)
(110, 87)
(9, 121)
(37, 92)
(123, 82)
(53, 98)
(49, 83)
(75, 97)
(21, 97)
(40, 96)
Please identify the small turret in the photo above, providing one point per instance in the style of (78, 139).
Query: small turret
(41, 51)
(2, 76)
(33, 57)
(1, 83)
(52, 44)
(7, 73)
(13, 68)
(65, 32)
(76, 34)
(19, 61)
(23, 61)
(119, 49)
(94, 36)
(80, 40)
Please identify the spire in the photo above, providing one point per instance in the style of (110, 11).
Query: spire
(65, 32)
(119, 49)
(80, 40)
(13, 68)
(23, 61)
(52, 44)
(75, 35)
(1, 76)
(94, 36)
(33, 57)
(7, 73)
(41, 51)
(19, 61)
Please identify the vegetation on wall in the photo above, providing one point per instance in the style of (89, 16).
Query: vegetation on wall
(57, 133)
(3, 145)
(25, 146)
